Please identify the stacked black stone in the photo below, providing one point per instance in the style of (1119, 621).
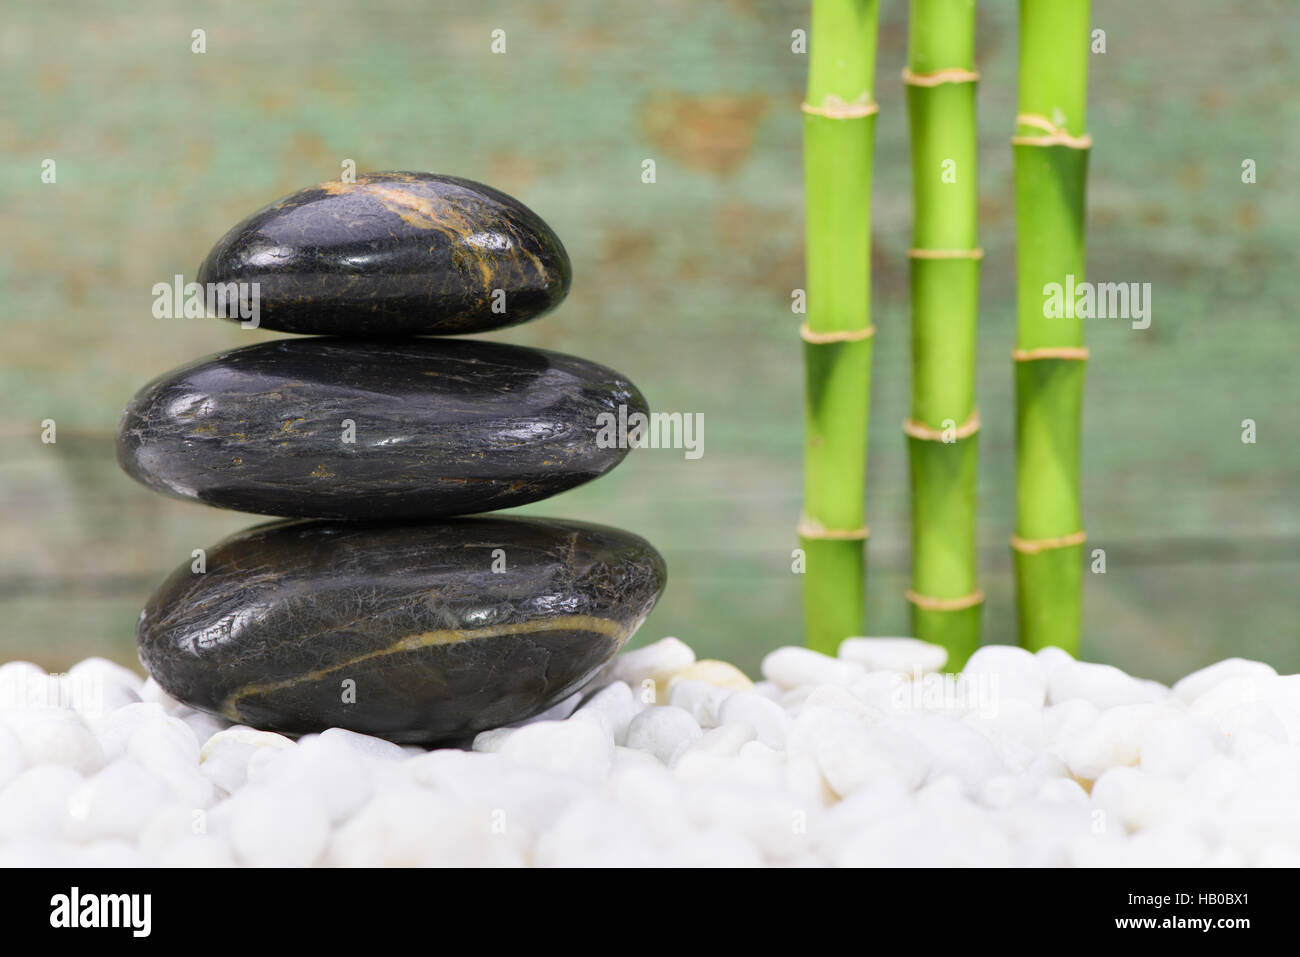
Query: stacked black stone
(377, 609)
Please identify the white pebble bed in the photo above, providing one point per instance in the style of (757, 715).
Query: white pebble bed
(872, 758)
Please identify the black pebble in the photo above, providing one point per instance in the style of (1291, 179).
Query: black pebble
(420, 634)
(439, 426)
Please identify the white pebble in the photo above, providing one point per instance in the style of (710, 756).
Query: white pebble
(1206, 679)
(951, 748)
(1136, 800)
(846, 699)
(12, 761)
(726, 740)
(205, 725)
(1016, 728)
(223, 759)
(364, 744)
(793, 700)
(32, 852)
(652, 795)
(490, 741)
(1062, 791)
(197, 850)
(1102, 685)
(151, 691)
(927, 838)
(575, 748)
(804, 780)
(655, 663)
(882, 691)
(317, 768)
(57, 736)
(595, 833)
(522, 800)
(625, 758)
(1114, 739)
(115, 803)
(701, 699)
(717, 673)
(1053, 658)
(868, 759)
(945, 694)
(110, 853)
(1061, 721)
(759, 767)
(269, 829)
(99, 686)
(664, 731)
(850, 754)
(773, 821)
(169, 749)
(714, 847)
(792, 667)
(1017, 674)
(908, 656)
(613, 707)
(108, 671)
(766, 717)
(1174, 746)
(35, 804)
(23, 685)
(416, 828)
(114, 730)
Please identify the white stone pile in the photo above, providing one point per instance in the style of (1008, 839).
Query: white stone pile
(872, 758)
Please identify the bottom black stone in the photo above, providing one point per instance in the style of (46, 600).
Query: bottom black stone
(417, 633)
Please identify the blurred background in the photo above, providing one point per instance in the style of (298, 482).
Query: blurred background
(684, 285)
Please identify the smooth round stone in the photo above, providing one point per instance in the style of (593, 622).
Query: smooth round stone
(438, 427)
(394, 254)
(403, 632)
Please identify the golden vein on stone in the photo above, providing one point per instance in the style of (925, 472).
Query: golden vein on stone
(422, 212)
(429, 639)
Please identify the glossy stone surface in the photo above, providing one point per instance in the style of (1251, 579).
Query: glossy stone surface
(440, 427)
(394, 254)
(433, 643)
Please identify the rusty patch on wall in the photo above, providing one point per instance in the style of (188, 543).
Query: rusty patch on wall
(713, 133)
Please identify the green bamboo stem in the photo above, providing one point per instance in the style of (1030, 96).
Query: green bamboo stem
(945, 269)
(1050, 179)
(839, 132)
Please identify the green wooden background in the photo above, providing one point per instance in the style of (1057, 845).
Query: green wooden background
(684, 285)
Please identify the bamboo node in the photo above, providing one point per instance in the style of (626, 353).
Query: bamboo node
(976, 253)
(1079, 353)
(812, 529)
(919, 430)
(930, 603)
(847, 335)
(834, 108)
(1032, 546)
(1056, 135)
(939, 76)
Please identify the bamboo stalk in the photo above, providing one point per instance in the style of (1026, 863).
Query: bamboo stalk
(945, 269)
(839, 132)
(1051, 162)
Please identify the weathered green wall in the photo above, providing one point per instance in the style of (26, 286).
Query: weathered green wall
(684, 284)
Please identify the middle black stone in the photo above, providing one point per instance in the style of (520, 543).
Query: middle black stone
(333, 428)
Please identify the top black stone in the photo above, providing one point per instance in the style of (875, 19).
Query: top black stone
(394, 254)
